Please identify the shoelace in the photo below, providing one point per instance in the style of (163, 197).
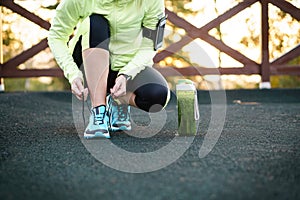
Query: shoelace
(122, 112)
(96, 118)
(99, 119)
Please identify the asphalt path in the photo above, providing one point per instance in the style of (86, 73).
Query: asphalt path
(43, 155)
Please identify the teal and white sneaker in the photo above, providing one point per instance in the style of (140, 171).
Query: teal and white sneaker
(119, 116)
(98, 124)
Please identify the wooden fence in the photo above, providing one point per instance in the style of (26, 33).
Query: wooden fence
(266, 68)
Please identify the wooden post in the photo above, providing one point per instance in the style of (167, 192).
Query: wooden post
(265, 63)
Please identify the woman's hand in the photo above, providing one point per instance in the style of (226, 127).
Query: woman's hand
(78, 90)
(119, 88)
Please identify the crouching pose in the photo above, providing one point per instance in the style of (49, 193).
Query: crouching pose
(115, 41)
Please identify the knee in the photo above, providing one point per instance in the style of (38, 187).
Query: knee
(160, 99)
(155, 100)
(159, 105)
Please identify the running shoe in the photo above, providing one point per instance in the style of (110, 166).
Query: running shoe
(98, 124)
(119, 116)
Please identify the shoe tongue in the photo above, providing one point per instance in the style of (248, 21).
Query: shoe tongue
(100, 109)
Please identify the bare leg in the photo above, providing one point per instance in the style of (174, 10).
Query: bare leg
(96, 66)
(129, 99)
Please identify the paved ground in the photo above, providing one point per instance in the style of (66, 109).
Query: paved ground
(256, 157)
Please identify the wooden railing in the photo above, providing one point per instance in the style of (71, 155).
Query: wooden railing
(266, 68)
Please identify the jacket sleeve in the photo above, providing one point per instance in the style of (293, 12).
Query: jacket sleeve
(67, 16)
(144, 56)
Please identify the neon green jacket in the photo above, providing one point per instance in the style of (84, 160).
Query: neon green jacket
(129, 51)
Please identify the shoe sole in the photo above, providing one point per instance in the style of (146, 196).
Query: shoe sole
(96, 136)
(120, 128)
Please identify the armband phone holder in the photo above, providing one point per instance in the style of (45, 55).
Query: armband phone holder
(156, 35)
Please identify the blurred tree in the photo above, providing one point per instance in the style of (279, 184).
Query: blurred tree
(179, 6)
(282, 36)
(12, 46)
(281, 42)
(218, 33)
(181, 58)
(175, 33)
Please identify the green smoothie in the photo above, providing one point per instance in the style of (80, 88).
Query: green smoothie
(186, 101)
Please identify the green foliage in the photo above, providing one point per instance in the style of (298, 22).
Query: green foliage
(285, 81)
(34, 84)
(279, 43)
(179, 5)
(14, 84)
(11, 45)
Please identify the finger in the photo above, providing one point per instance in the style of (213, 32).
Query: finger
(112, 92)
(79, 95)
(86, 93)
(120, 92)
(75, 90)
(115, 88)
(79, 85)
